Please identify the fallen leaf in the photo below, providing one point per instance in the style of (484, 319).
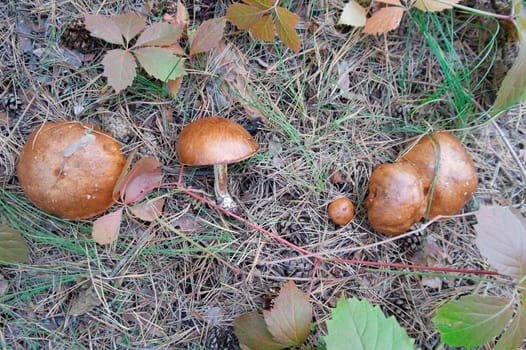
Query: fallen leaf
(472, 320)
(501, 238)
(263, 29)
(207, 35)
(104, 28)
(4, 286)
(252, 332)
(187, 222)
(243, 16)
(289, 320)
(286, 23)
(13, 247)
(434, 5)
(106, 228)
(145, 175)
(384, 20)
(514, 335)
(262, 4)
(119, 69)
(159, 34)
(130, 24)
(353, 14)
(160, 62)
(84, 302)
(148, 210)
(174, 85)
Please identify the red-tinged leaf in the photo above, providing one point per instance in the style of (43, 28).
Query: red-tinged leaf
(122, 177)
(434, 5)
(243, 16)
(286, 23)
(104, 28)
(384, 20)
(159, 34)
(145, 176)
(148, 210)
(160, 62)
(207, 35)
(514, 335)
(106, 228)
(262, 4)
(290, 318)
(263, 29)
(130, 24)
(473, 320)
(13, 247)
(174, 86)
(252, 332)
(119, 68)
(501, 238)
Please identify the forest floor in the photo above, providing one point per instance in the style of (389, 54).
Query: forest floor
(324, 119)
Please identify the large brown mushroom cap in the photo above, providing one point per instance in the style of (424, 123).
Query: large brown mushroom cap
(215, 140)
(456, 176)
(69, 169)
(396, 198)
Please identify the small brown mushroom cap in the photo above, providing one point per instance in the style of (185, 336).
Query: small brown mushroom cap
(69, 169)
(341, 211)
(456, 179)
(215, 140)
(396, 198)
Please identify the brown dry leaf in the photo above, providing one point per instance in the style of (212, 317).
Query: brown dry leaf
(129, 24)
(434, 5)
(187, 222)
(384, 20)
(106, 228)
(432, 255)
(207, 35)
(104, 28)
(230, 65)
(174, 85)
(148, 210)
(243, 16)
(4, 286)
(84, 302)
(119, 69)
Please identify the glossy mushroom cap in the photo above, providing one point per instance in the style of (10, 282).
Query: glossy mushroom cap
(396, 198)
(341, 211)
(456, 177)
(69, 169)
(215, 140)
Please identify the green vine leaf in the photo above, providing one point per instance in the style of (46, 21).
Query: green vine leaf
(119, 69)
(160, 62)
(357, 325)
(473, 320)
(516, 332)
(13, 247)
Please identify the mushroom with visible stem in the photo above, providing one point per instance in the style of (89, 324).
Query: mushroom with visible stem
(216, 141)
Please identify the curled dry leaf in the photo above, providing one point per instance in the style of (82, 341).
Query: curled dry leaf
(353, 14)
(148, 210)
(145, 176)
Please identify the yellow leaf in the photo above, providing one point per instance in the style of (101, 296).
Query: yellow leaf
(353, 14)
(263, 29)
(384, 20)
(262, 4)
(434, 5)
(286, 23)
(243, 16)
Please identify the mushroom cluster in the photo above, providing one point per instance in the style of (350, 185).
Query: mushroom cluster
(435, 177)
(69, 169)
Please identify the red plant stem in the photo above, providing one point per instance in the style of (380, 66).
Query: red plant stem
(318, 257)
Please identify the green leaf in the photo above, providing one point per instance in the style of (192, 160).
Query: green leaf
(501, 238)
(513, 88)
(119, 68)
(290, 318)
(357, 325)
(207, 35)
(160, 62)
(159, 34)
(516, 332)
(130, 24)
(251, 331)
(286, 23)
(104, 28)
(243, 16)
(13, 247)
(473, 320)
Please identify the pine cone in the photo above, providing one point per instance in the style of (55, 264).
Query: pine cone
(11, 104)
(410, 244)
(221, 339)
(77, 37)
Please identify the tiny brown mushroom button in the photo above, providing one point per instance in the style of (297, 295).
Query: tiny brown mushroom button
(341, 211)
(69, 169)
(216, 141)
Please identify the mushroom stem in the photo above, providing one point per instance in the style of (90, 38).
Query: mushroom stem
(223, 198)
